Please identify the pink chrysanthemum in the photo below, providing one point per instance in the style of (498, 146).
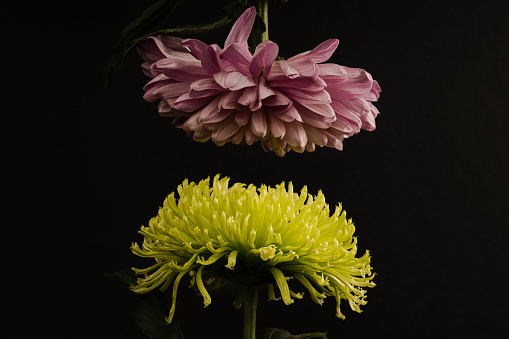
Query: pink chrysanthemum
(230, 95)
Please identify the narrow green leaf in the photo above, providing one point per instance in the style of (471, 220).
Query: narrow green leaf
(156, 14)
(276, 333)
(149, 20)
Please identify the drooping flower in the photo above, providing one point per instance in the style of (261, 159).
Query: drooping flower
(250, 235)
(230, 95)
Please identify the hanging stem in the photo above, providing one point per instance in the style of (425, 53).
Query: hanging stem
(262, 9)
(250, 300)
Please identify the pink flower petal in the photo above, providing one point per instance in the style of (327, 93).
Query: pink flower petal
(249, 96)
(347, 113)
(359, 83)
(263, 58)
(212, 113)
(153, 48)
(295, 134)
(259, 123)
(154, 84)
(283, 70)
(236, 57)
(173, 90)
(333, 73)
(233, 80)
(307, 83)
(250, 137)
(320, 53)
(228, 100)
(277, 126)
(368, 120)
(290, 115)
(242, 117)
(278, 99)
(264, 91)
(180, 69)
(205, 87)
(187, 104)
(195, 46)
(210, 60)
(228, 128)
(242, 28)
(306, 97)
(316, 135)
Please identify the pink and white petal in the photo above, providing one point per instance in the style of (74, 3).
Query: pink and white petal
(193, 123)
(306, 97)
(249, 136)
(291, 114)
(202, 135)
(238, 137)
(228, 100)
(242, 116)
(313, 119)
(258, 123)
(164, 109)
(205, 84)
(281, 70)
(233, 81)
(249, 96)
(345, 126)
(320, 53)
(335, 139)
(308, 83)
(264, 91)
(195, 46)
(344, 112)
(212, 113)
(295, 134)
(154, 84)
(277, 100)
(228, 128)
(333, 73)
(187, 104)
(306, 67)
(359, 83)
(242, 28)
(277, 126)
(210, 60)
(205, 93)
(152, 49)
(374, 94)
(316, 135)
(236, 57)
(173, 90)
(322, 111)
(288, 70)
(368, 120)
(181, 70)
(263, 58)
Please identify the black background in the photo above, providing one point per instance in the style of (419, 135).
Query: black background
(427, 190)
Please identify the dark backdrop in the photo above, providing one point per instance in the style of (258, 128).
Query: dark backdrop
(427, 190)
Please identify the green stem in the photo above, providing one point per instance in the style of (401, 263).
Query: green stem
(250, 299)
(262, 9)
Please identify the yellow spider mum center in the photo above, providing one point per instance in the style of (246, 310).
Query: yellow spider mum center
(251, 235)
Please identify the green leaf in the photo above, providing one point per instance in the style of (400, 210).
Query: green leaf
(150, 317)
(276, 333)
(149, 20)
(146, 25)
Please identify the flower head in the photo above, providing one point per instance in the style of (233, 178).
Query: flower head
(230, 95)
(250, 235)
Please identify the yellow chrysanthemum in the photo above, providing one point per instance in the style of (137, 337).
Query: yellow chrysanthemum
(256, 236)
